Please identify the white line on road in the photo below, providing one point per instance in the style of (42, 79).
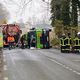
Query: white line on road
(5, 67)
(4, 56)
(77, 60)
(4, 60)
(78, 73)
(5, 78)
(68, 68)
(63, 65)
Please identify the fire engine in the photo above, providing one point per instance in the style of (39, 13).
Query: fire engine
(10, 29)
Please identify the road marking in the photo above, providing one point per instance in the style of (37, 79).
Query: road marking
(77, 60)
(66, 67)
(70, 69)
(76, 72)
(4, 56)
(5, 78)
(5, 67)
(4, 60)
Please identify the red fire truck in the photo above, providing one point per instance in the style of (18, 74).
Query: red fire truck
(10, 29)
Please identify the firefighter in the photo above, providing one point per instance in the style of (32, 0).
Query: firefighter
(78, 35)
(77, 43)
(28, 39)
(65, 43)
(63, 36)
(62, 45)
(22, 42)
(11, 41)
(33, 42)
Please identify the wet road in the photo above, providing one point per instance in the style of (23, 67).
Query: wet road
(40, 65)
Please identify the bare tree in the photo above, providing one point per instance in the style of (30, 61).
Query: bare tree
(3, 12)
(21, 4)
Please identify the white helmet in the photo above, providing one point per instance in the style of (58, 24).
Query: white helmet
(63, 34)
(78, 33)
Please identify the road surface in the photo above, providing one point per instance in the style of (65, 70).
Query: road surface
(45, 64)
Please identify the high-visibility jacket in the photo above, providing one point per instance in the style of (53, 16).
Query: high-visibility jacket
(77, 41)
(10, 39)
(66, 41)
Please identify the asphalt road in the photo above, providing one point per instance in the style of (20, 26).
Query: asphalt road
(1, 65)
(47, 64)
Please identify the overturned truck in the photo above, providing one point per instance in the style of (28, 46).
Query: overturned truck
(40, 38)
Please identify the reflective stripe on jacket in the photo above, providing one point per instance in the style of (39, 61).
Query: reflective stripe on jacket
(10, 39)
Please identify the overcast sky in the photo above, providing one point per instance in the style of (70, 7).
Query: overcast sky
(35, 11)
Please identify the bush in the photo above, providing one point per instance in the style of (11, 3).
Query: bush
(55, 42)
(58, 28)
